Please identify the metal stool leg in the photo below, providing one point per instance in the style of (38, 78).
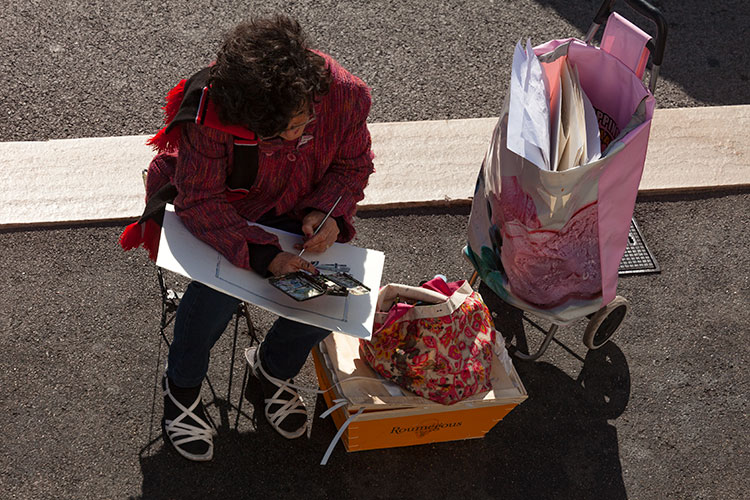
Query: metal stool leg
(245, 379)
(234, 348)
(244, 311)
(169, 304)
(226, 405)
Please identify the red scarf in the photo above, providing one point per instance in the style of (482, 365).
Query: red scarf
(199, 109)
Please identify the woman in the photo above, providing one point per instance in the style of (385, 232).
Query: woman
(273, 132)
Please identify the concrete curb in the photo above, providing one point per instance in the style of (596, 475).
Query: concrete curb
(417, 163)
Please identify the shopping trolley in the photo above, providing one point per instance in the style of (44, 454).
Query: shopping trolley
(550, 243)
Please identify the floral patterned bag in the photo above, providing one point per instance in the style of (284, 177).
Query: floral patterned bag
(436, 340)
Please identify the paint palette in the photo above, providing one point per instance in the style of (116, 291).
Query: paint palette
(302, 285)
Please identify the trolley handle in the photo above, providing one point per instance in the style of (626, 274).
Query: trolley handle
(647, 10)
(644, 8)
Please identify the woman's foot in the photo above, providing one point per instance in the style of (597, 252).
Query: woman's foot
(283, 405)
(185, 423)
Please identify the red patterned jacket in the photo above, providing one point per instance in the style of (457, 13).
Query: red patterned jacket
(332, 158)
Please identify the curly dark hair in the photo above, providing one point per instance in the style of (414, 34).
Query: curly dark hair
(265, 73)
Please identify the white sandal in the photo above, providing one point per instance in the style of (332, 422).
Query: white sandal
(181, 433)
(286, 399)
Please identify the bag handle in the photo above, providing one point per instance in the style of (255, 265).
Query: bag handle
(389, 293)
(437, 304)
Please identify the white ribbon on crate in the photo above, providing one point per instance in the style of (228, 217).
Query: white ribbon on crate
(339, 403)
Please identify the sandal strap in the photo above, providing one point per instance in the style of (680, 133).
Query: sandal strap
(182, 432)
(286, 406)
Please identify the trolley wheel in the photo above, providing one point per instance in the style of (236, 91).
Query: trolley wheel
(605, 322)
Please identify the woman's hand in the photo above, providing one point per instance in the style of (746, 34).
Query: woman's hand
(326, 236)
(285, 263)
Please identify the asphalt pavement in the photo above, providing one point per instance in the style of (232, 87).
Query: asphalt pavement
(660, 412)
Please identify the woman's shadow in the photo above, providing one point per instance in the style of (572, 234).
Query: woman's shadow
(556, 444)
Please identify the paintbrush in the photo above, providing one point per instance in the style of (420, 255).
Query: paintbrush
(321, 224)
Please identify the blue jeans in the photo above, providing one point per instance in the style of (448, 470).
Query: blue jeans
(203, 315)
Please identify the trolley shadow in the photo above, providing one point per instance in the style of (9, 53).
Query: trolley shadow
(705, 24)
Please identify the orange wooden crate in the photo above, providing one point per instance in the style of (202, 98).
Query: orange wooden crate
(394, 417)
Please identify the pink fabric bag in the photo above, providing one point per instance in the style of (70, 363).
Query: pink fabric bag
(436, 340)
(551, 242)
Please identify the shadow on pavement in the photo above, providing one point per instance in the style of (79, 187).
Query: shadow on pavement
(699, 42)
(565, 446)
(79, 334)
(556, 444)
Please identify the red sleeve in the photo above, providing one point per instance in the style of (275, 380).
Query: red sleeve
(200, 178)
(351, 166)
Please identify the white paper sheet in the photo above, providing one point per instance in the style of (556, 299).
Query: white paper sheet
(183, 253)
(529, 112)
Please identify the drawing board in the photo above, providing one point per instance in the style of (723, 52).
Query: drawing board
(183, 253)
